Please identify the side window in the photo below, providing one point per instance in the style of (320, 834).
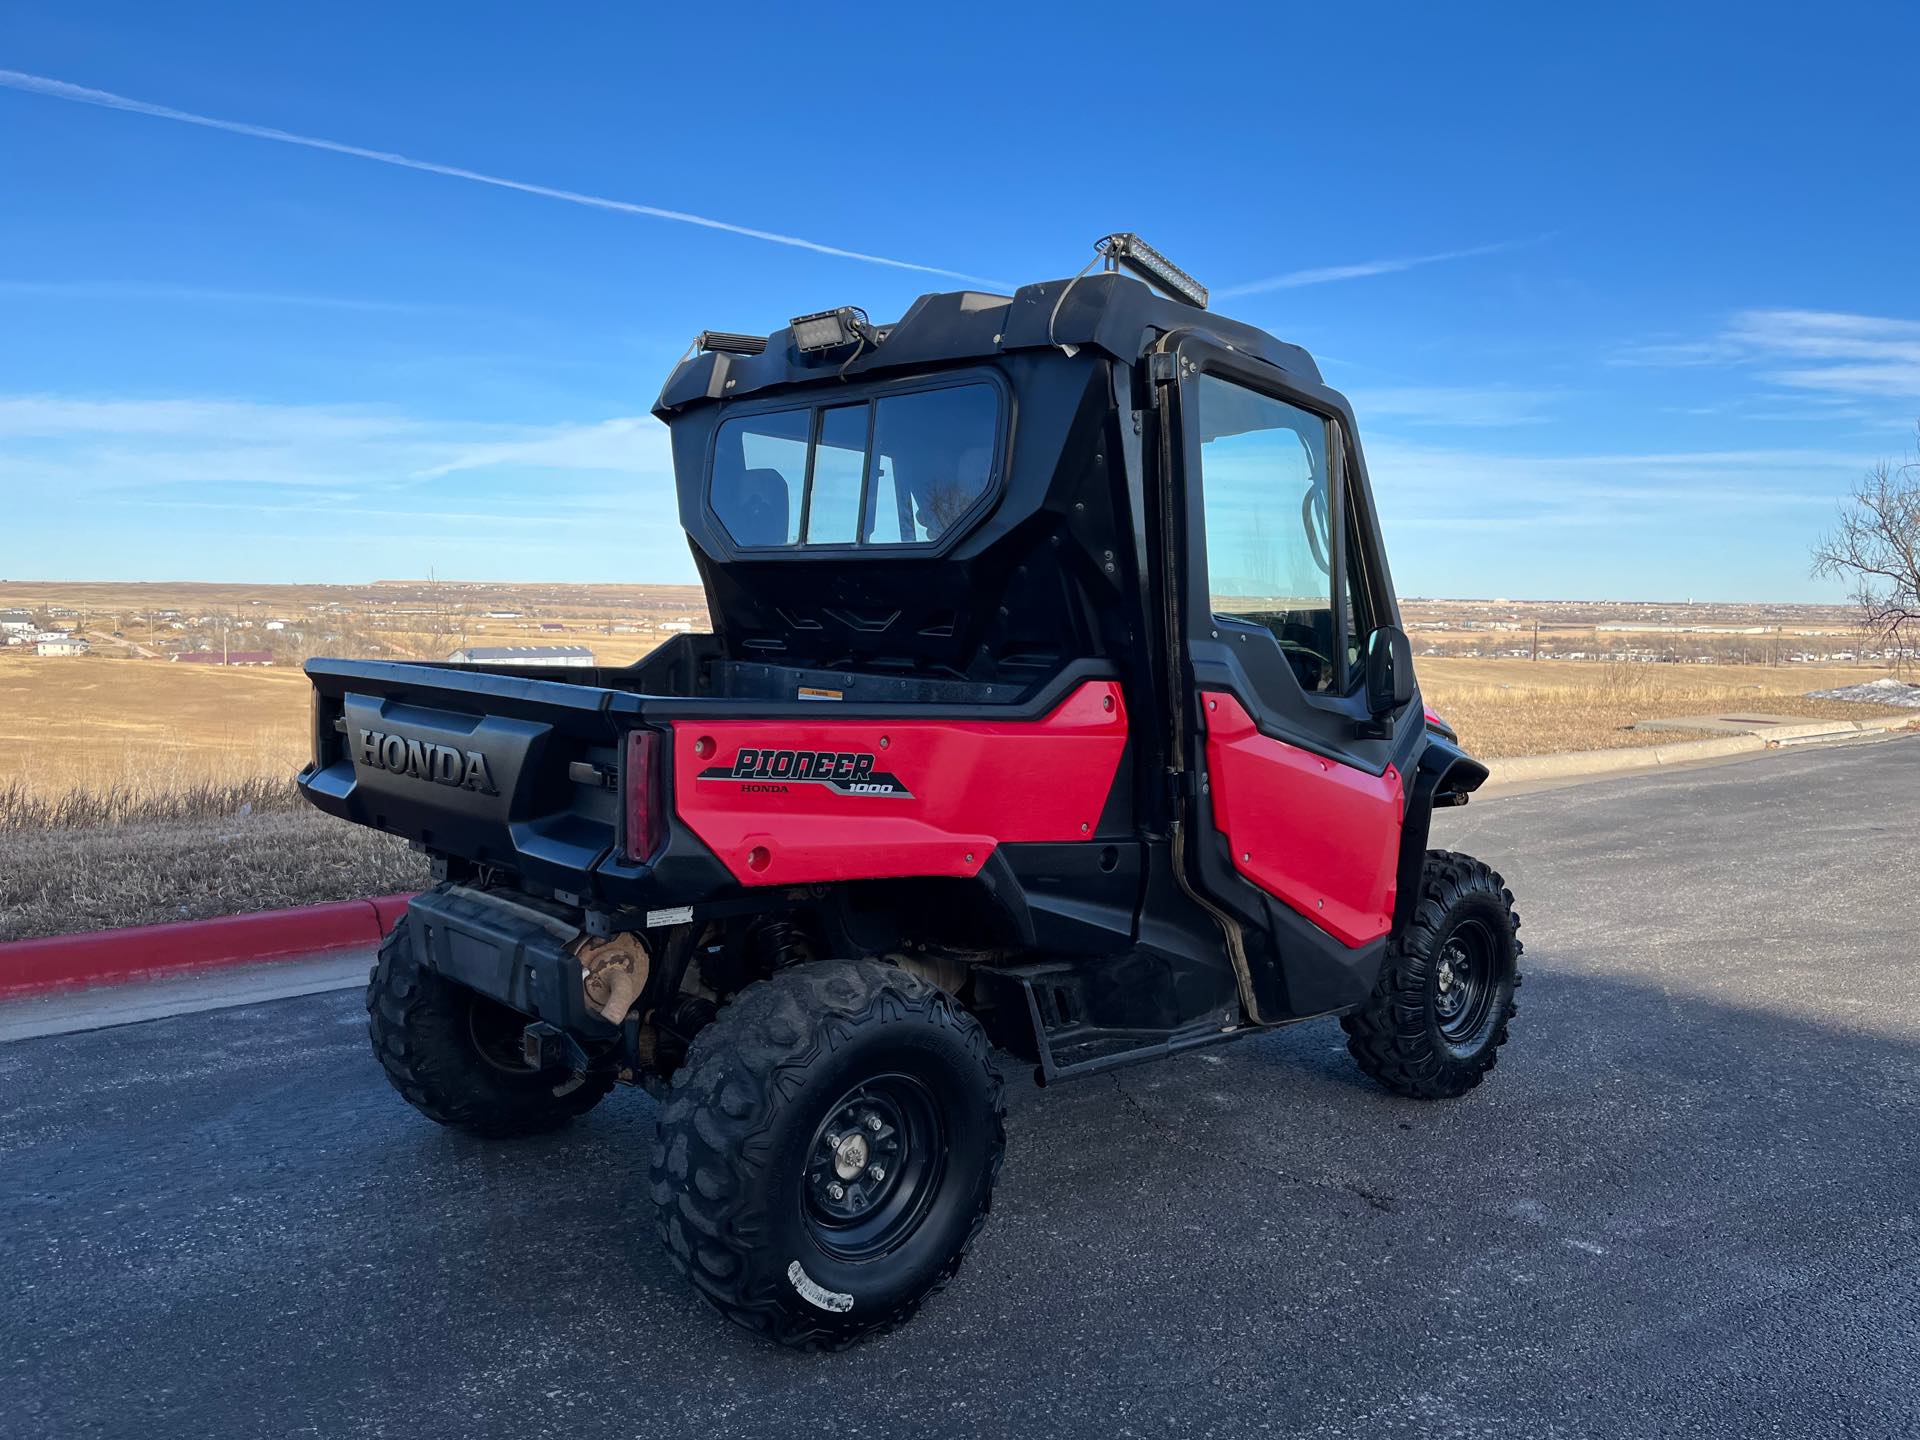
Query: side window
(1265, 484)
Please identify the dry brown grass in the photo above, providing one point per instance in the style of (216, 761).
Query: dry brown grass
(146, 727)
(1520, 707)
(134, 792)
(23, 810)
(92, 877)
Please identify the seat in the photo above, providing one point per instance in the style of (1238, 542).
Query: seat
(755, 506)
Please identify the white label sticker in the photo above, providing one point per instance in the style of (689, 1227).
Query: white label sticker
(678, 915)
(816, 1294)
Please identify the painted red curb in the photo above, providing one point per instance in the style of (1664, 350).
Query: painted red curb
(111, 957)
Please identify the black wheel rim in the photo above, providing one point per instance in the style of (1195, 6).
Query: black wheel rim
(1465, 977)
(874, 1167)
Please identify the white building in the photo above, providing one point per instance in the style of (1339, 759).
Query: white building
(571, 656)
(63, 645)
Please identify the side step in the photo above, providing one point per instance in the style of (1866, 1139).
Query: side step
(1053, 1016)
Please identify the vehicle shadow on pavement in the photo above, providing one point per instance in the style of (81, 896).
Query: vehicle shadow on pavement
(1662, 1212)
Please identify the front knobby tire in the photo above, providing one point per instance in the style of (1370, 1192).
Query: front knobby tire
(828, 1152)
(1438, 1014)
(454, 1054)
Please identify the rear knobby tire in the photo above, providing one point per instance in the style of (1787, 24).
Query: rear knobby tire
(452, 1052)
(1438, 1014)
(802, 1082)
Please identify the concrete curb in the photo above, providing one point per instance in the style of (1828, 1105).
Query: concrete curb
(111, 957)
(1523, 769)
(1834, 729)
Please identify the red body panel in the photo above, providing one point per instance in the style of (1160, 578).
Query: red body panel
(1321, 836)
(938, 795)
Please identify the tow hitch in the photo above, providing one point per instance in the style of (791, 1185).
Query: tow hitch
(546, 1048)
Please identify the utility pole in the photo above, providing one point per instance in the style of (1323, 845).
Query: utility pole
(1536, 640)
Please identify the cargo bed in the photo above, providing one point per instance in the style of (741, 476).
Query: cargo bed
(523, 771)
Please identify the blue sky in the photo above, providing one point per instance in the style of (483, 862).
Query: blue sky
(1624, 306)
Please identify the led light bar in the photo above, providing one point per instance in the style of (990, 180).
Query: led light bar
(732, 343)
(1129, 251)
(831, 329)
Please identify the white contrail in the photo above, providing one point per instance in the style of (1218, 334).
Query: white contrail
(1325, 273)
(79, 94)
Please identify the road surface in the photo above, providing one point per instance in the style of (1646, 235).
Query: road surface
(1685, 1204)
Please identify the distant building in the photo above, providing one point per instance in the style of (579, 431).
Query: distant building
(567, 655)
(677, 627)
(276, 625)
(17, 622)
(231, 657)
(65, 645)
(551, 625)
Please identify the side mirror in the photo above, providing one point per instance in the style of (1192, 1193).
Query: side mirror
(1389, 670)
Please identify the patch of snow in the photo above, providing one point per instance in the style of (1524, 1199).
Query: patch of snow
(1875, 692)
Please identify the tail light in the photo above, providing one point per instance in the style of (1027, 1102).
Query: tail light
(646, 819)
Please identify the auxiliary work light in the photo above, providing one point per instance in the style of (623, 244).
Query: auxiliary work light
(832, 329)
(732, 342)
(1128, 250)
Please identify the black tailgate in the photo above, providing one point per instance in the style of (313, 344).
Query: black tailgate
(500, 769)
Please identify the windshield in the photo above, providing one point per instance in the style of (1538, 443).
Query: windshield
(896, 470)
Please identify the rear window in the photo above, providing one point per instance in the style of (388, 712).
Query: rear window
(903, 469)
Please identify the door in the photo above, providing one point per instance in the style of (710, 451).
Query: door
(1299, 787)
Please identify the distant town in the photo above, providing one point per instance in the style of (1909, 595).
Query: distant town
(1653, 632)
(285, 625)
(585, 625)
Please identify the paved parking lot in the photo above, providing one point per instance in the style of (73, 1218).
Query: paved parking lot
(1684, 1204)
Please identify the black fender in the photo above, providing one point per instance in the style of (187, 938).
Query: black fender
(1444, 775)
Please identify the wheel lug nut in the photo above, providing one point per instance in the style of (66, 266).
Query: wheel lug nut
(876, 1172)
(836, 1191)
(873, 1123)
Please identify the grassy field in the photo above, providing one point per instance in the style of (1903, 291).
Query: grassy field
(90, 722)
(1505, 708)
(139, 791)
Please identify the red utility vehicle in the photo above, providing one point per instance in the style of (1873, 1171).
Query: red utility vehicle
(1056, 699)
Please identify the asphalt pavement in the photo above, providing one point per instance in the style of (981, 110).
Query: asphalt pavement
(1684, 1204)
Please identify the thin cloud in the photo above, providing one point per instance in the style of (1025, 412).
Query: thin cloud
(106, 100)
(112, 446)
(1325, 274)
(1467, 406)
(608, 445)
(1425, 486)
(1824, 352)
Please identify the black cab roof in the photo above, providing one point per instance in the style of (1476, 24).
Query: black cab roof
(1110, 313)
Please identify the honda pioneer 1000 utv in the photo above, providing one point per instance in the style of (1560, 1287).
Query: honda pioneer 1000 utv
(1056, 702)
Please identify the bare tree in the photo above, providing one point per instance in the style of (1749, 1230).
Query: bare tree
(1876, 547)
